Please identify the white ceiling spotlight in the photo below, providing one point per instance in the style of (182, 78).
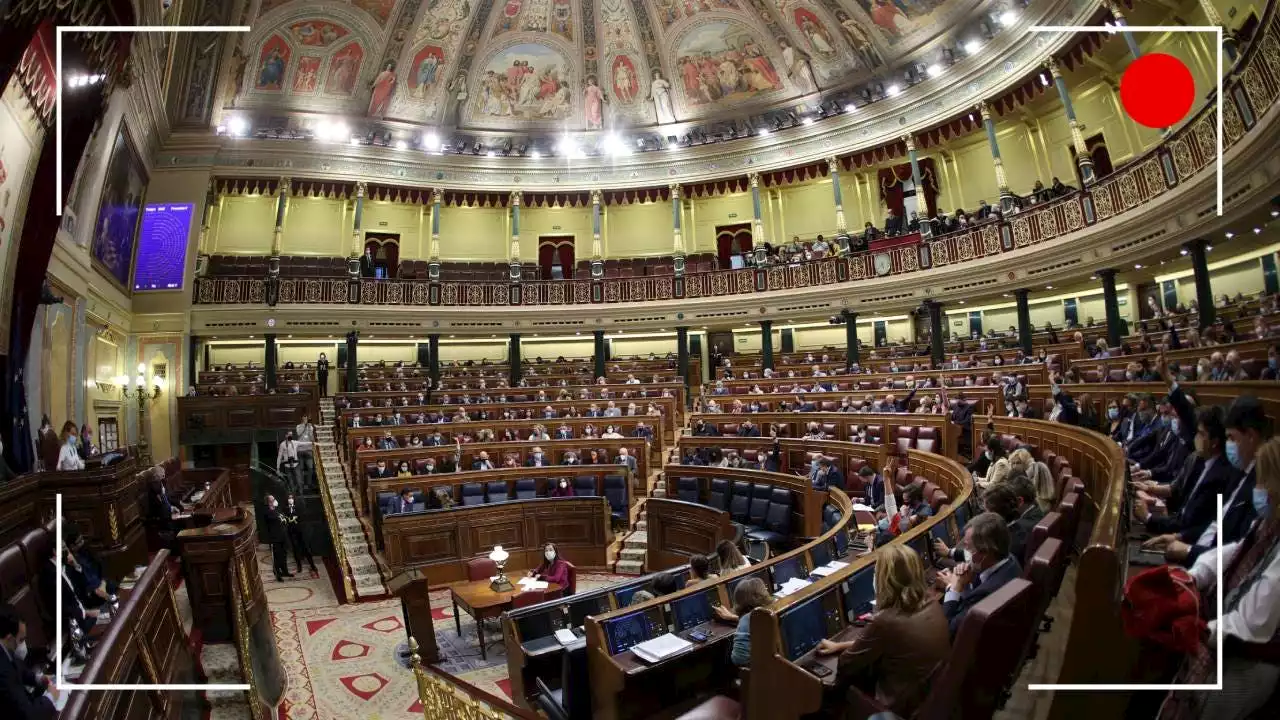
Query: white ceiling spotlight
(934, 70)
(892, 91)
(237, 126)
(1008, 17)
(430, 141)
(972, 47)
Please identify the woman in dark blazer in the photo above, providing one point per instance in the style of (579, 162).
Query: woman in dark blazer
(906, 640)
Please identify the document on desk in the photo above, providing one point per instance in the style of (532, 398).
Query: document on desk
(661, 647)
(528, 583)
(825, 570)
(566, 636)
(859, 507)
(791, 586)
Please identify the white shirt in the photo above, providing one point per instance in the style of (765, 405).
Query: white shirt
(1257, 616)
(1210, 533)
(288, 452)
(982, 577)
(69, 458)
(305, 434)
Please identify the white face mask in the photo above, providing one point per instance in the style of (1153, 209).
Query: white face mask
(968, 555)
(550, 555)
(20, 652)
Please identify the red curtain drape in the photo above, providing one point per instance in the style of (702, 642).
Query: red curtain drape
(728, 240)
(553, 250)
(891, 179)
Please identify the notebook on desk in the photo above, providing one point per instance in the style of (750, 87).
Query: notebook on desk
(660, 648)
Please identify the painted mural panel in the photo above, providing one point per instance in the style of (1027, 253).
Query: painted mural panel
(118, 210)
(316, 33)
(307, 77)
(722, 62)
(671, 11)
(525, 82)
(344, 70)
(424, 72)
(272, 63)
(379, 9)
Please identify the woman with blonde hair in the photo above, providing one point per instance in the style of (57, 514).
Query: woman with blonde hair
(1046, 489)
(1020, 461)
(998, 473)
(906, 639)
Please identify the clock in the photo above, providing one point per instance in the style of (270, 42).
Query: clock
(271, 322)
(883, 263)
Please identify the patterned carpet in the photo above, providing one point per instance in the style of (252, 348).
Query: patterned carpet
(340, 659)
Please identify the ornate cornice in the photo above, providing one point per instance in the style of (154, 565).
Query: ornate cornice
(999, 67)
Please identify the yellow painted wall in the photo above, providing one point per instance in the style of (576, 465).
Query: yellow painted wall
(710, 212)
(243, 225)
(537, 222)
(316, 226)
(58, 358)
(808, 210)
(477, 234)
(637, 230)
(408, 220)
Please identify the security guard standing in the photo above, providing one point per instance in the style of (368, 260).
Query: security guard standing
(276, 536)
(293, 524)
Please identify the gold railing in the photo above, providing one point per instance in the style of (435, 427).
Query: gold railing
(244, 649)
(335, 530)
(444, 699)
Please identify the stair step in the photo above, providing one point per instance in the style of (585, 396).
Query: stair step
(629, 567)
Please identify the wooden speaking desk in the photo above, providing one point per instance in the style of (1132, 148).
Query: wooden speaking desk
(482, 602)
(441, 542)
(213, 557)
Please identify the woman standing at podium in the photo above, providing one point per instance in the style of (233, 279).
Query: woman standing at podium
(553, 568)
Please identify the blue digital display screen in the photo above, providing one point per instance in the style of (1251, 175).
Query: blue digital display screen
(785, 570)
(630, 630)
(821, 554)
(808, 623)
(690, 611)
(860, 592)
(162, 246)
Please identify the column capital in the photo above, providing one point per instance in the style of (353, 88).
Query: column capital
(1022, 293)
(910, 142)
(1052, 65)
(833, 165)
(285, 184)
(753, 177)
(849, 315)
(597, 197)
(437, 196)
(766, 323)
(984, 110)
(516, 196)
(675, 190)
(1114, 8)
(361, 188)
(1105, 273)
(1197, 244)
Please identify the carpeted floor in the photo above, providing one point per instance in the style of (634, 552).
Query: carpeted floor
(341, 659)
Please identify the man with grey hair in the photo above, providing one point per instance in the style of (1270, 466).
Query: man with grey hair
(989, 567)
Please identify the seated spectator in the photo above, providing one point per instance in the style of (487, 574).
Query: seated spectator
(562, 488)
(403, 502)
(381, 471)
(1248, 619)
(1015, 501)
(906, 638)
(482, 462)
(873, 483)
(731, 558)
(553, 568)
(913, 510)
(1191, 499)
(986, 542)
(404, 470)
(825, 474)
(28, 696)
(700, 569)
(981, 465)
(570, 458)
(747, 596)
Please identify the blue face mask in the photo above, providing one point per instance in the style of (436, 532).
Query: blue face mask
(1273, 363)
(1233, 454)
(1261, 503)
(1175, 426)
(1113, 413)
(1165, 420)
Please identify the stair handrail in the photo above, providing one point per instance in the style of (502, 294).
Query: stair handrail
(335, 530)
(444, 696)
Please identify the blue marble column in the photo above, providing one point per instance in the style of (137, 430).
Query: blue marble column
(1083, 159)
(677, 249)
(989, 121)
(515, 236)
(277, 236)
(926, 230)
(437, 201)
(597, 250)
(357, 241)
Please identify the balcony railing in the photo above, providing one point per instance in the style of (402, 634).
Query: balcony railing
(1251, 91)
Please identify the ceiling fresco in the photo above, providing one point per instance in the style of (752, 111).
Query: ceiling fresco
(539, 65)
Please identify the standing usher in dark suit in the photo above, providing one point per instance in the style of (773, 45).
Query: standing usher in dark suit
(277, 535)
(293, 524)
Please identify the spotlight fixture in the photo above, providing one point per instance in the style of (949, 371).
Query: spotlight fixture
(972, 47)
(850, 108)
(934, 70)
(762, 132)
(893, 90)
(490, 154)
(1008, 17)
(401, 145)
(430, 141)
(1183, 251)
(1138, 266)
(808, 120)
(1230, 234)
(237, 126)
(535, 154)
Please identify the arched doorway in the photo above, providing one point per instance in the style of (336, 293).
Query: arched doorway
(386, 253)
(556, 257)
(732, 240)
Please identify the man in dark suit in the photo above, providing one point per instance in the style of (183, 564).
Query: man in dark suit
(536, 458)
(382, 470)
(482, 462)
(402, 503)
(625, 458)
(748, 429)
(873, 486)
(771, 458)
(293, 523)
(16, 677)
(161, 507)
(1026, 514)
(1191, 498)
(986, 538)
(705, 429)
(277, 535)
(368, 266)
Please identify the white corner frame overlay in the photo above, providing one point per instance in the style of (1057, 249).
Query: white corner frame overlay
(57, 109)
(1215, 30)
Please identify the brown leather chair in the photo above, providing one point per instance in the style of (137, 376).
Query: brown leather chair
(525, 598)
(1069, 508)
(481, 569)
(984, 654)
(1052, 525)
(18, 588)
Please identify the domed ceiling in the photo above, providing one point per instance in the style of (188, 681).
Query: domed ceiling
(525, 65)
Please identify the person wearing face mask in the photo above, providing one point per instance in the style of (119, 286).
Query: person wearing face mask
(536, 458)
(570, 458)
(1249, 619)
(16, 677)
(1191, 498)
(322, 375)
(562, 488)
(986, 542)
(277, 536)
(994, 451)
(553, 568)
(290, 514)
(287, 462)
(1272, 370)
(161, 507)
(69, 455)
